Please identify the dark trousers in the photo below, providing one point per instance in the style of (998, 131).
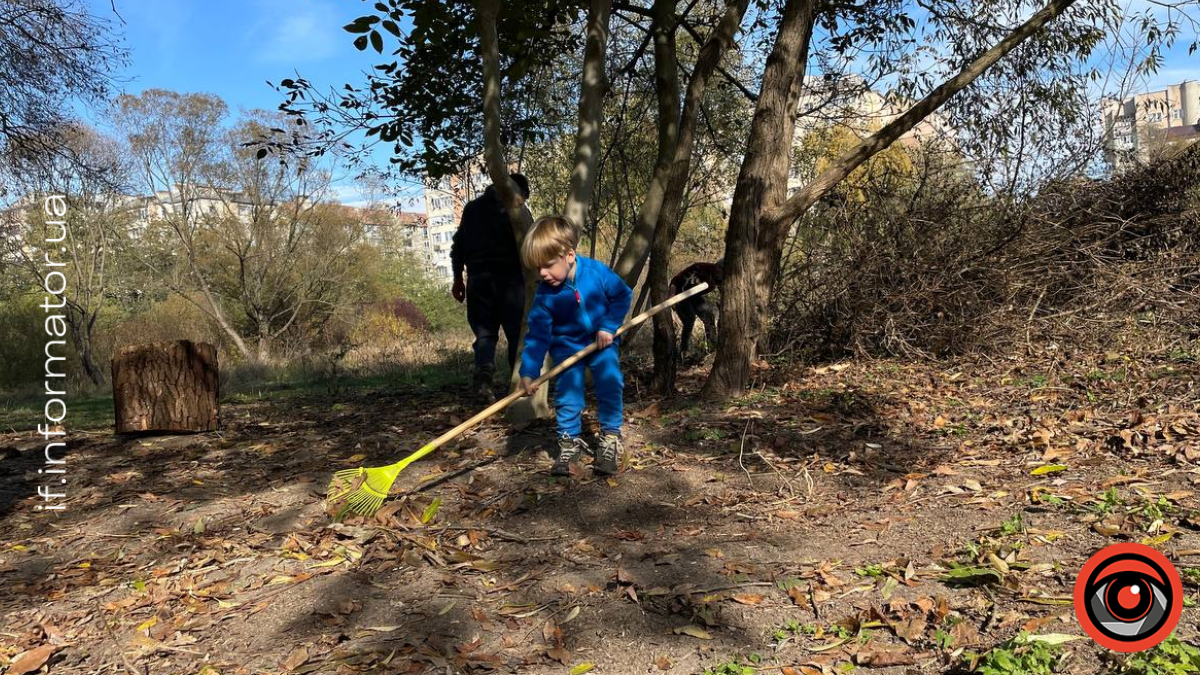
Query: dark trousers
(494, 301)
(688, 311)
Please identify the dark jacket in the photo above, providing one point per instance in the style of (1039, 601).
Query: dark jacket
(694, 274)
(484, 240)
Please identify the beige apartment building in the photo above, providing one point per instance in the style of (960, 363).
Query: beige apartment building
(1140, 127)
(444, 203)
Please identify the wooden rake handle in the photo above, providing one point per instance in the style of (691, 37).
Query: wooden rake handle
(553, 372)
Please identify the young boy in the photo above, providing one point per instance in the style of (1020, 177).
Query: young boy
(579, 301)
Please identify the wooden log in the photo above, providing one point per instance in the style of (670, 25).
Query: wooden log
(165, 386)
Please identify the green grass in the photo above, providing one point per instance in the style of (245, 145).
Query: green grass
(24, 411)
(1020, 656)
(1170, 657)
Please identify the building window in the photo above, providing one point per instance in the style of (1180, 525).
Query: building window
(1177, 113)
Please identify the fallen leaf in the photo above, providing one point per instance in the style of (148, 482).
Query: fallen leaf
(972, 576)
(31, 660)
(431, 510)
(571, 615)
(296, 659)
(663, 663)
(694, 631)
(748, 598)
(910, 630)
(1055, 638)
(1049, 468)
(582, 668)
(880, 658)
(1157, 541)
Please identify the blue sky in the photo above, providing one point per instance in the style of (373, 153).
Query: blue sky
(232, 49)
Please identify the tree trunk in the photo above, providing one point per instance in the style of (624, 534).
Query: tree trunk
(671, 213)
(778, 223)
(537, 406)
(666, 84)
(82, 332)
(166, 386)
(731, 372)
(761, 186)
(591, 114)
(661, 194)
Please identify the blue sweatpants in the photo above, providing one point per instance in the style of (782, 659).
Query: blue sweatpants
(609, 384)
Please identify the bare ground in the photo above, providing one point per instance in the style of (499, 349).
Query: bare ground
(808, 526)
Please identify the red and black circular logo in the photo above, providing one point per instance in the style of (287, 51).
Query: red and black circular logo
(1128, 597)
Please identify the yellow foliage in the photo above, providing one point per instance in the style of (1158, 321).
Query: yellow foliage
(821, 148)
(379, 326)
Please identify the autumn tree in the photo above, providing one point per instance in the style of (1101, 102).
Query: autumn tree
(52, 51)
(88, 246)
(249, 241)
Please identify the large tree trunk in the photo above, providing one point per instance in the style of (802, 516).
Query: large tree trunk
(741, 316)
(591, 114)
(671, 213)
(761, 185)
(537, 406)
(166, 386)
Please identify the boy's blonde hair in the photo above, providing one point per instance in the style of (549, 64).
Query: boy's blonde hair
(549, 238)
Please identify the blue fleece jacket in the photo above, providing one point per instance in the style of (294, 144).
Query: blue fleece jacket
(563, 322)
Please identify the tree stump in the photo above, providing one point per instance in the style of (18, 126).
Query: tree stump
(165, 386)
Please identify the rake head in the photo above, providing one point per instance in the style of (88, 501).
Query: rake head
(363, 496)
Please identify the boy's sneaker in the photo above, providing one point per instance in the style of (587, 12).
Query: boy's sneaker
(569, 450)
(606, 459)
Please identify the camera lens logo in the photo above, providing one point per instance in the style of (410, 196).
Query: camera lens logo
(1128, 597)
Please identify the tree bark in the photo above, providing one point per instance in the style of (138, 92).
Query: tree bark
(761, 186)
(166, 386)
(671, 212)
(537, 406)
(731, 371)
(591, 114)
(666, 84)
(658, 195)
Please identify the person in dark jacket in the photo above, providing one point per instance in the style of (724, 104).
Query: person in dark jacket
(697, 306)
(494, 288)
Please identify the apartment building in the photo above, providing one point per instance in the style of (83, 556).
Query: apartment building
(444, 202)
(1139, 127)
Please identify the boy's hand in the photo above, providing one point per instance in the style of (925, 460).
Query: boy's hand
(528, 385)
(459, 290)
(603, 339)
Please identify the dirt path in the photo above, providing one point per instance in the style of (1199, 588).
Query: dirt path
(807, 527)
